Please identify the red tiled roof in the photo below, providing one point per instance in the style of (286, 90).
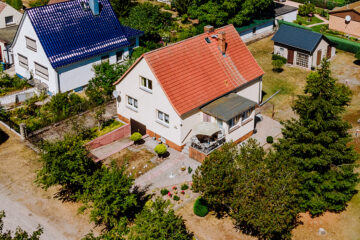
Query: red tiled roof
(193, 72)
(2, 6)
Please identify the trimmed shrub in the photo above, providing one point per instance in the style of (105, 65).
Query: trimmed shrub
(164, 191)
(278, 57)
(357, 55)
(136, 137)
(277, 65)
(270, 139)
(184, 186)
(190, 170)
(160, 149)
(200, 208)
(176, 198)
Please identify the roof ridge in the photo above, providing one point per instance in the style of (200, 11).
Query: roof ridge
(185, 40)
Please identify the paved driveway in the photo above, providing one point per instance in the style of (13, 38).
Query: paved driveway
(267, 127)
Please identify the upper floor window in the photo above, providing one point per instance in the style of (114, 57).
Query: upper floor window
(146, 84)
(105, 59)
(132, 102)
(163, 117)
(9, 20)
(30, 44)
(120, 56)
(41, 71)
(23, 61)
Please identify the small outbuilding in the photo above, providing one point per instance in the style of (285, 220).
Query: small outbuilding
(302, 47)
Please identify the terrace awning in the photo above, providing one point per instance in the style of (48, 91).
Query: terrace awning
(228, 107)
(206, 128)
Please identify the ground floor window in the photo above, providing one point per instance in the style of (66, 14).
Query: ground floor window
(232, 122)
(162, 117)
(302, 60)
(245, 115)
(23, 61)
(132, 102)
(41, 71)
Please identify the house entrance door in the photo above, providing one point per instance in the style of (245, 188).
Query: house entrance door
(328, 53)
(290, 57)
(318, 61)
(137, 127)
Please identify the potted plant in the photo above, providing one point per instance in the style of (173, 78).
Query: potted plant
(160, 149)
(136, 137)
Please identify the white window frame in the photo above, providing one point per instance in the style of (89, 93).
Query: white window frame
(146, 84)
(232, 123)
(132, 103)
(9, 23)
(41, 71)
(162, 118)
(31, 44)
(25, 62)
(121, 59)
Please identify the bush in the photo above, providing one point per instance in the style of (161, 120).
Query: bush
(190, 170)
(164, 191)
(277, 65)
(160, 149)
(184, 18)
(135, 137)
(357, 55)
(200, 208)
(176, 198)
(306, 9)
(278, 57)
(184, 186)
(270, 139)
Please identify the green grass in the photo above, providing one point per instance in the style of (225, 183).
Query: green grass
(304, 20)
(320, 27)
(109, 126)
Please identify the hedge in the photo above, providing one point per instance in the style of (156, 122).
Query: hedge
(342, 44)
(325, 4)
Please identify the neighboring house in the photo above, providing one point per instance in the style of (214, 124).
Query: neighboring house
(6, 38)
(57, 45)
(201, 91)
(302, 47)
(9, 16)
(346, 19)
(267, 26)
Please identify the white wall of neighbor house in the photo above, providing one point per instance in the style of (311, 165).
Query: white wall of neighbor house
(149, 102)
(288, 17)
(38, 56)
(9, 13)
(263, 29)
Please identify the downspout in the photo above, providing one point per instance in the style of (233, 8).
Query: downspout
(58, 81)
(7, 53)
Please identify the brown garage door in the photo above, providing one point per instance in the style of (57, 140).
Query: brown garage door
(137, 127)
(318, 57)
(290, 58)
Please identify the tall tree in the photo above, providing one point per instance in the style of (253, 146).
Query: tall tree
(258, 190)
(159, 222)
(181, 6)
(318, 144)
(121, 7)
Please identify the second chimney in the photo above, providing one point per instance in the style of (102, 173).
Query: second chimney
(208, 29)
(95, 8)
(222, 42)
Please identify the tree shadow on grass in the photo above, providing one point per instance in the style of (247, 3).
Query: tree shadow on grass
(357, 62)
(66, 195)
(277, 70)
(3, 137)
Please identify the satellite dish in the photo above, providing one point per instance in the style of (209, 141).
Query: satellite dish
(115, 94)
(348, 18)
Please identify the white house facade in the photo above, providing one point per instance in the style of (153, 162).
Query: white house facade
(9, 16)
(52, 59)
(182, 104)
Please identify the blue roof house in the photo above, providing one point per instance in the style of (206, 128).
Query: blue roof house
(302, 47)
(57, 45)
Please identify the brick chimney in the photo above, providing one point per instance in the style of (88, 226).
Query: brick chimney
(222, 42)
(94, 6)
(208, 29)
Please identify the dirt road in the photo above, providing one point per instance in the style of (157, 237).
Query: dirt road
(26, 204)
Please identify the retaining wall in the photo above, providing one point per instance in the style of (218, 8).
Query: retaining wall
(117, 134)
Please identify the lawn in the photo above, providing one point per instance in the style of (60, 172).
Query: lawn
(305, 20)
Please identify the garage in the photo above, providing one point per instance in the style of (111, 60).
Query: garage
(137, 127)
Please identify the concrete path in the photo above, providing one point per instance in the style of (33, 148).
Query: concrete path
(267, 127)
(168, 172)
(325, 21)
(112, 148)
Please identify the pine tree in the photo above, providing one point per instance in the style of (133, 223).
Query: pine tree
(318, 144)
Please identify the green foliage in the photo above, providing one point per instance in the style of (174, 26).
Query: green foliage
(190, 170)
(184, 18)
(109, 192)
(237, 12)
(19, 233)
(257, 190)
(278, 57)
(17, 4)
(38, 3)
(269, 139)
(176, 198)
(100, 87)
(4, 115)
(317, 143)
(138, 52)
(277, 65)
(66, 163)
(164, 191)
(159, 222)
(200, 209)
(149, 19)
(306, 9)
(357, 55)
(184, 186)
(181, 6)
(121, 7)
(160, 149)
(135, 137)
(8, 84)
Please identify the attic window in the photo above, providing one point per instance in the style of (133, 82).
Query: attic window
(207, 40)
(85, 6)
